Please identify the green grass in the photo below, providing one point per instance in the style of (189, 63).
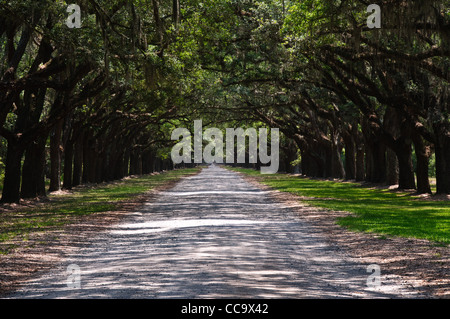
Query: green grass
(379, 211)
(67, 208)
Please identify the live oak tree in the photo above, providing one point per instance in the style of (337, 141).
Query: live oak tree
(75, 86)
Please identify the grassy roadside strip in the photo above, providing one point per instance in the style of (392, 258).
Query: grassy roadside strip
(19, 223)
(378, 211)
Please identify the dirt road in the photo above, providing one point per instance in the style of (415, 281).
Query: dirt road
(213, 235)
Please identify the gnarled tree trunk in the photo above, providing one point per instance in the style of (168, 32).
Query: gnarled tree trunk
(11, 183)
(55, 157)
(442, 149)
(33, 170)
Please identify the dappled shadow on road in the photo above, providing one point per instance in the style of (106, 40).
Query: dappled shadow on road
(212, 236)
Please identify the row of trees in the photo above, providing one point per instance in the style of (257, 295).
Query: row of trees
(359, 103)
(97, 103)
(87, 104)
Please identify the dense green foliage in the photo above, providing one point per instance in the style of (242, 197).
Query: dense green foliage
(97, 103)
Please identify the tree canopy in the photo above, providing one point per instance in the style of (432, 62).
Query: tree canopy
(97, 103)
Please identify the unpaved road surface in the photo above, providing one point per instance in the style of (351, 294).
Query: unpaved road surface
(213, 235)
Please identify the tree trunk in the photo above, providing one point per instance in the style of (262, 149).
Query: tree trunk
(158, 23)
(33, 170)
(375, 162)
(350, 160)
(152, 162)
(405, 167)
(132, 163)
(360, 173)
(92, 158)
(68, 162)
(126, 162)
(176, 13)
(89, 161)
(86, 163)
(110, 169)
(135, 162)
(28, 187)
(423, 155)
(119, 169)
(312, 164)
(158, 166)
(304, 163)
(391, 123)
(11, 183)
(442, 149)
(391, 167)
(55, 157)
(337, 166)
(77, 161)
(146, 162)
(291, 155)
(99, 164)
